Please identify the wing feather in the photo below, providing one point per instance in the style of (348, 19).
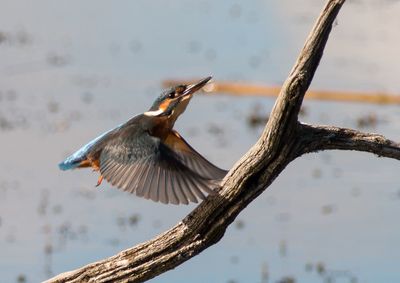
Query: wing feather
(173, 198)
(186, 189)
(180, 192)
(122, 176)
(138, 162)
(131, 188)
(148, 185)
(127, 177)
(192, 159)
(114, 170)
(141, 185)
(162, 187)
(152, 191)
(192, 184)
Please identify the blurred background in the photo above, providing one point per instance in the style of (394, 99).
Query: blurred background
(70, 70)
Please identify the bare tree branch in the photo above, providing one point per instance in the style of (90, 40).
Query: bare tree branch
(250, 176)
(316, 138)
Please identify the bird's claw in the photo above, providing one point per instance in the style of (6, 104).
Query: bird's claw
(99, 180)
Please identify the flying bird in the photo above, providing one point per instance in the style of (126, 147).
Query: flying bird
(146, 156)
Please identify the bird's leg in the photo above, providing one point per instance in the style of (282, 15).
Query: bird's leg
(96, 167)
(99, 180)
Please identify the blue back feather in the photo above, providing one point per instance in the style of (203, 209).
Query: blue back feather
(75, 159)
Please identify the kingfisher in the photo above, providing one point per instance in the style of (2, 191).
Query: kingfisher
(146, 156)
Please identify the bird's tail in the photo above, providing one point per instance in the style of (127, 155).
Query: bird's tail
(70, 163)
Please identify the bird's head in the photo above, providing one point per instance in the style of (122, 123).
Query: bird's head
(172, 102)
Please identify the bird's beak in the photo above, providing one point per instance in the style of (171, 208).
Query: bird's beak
(190, 89)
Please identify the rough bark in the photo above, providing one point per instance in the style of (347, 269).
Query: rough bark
(283, 140)
(316, 138)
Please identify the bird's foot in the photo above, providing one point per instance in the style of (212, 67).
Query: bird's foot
(99, 180)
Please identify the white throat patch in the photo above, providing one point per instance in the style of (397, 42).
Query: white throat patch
(153, 113)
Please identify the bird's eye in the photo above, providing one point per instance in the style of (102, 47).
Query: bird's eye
(171, 94)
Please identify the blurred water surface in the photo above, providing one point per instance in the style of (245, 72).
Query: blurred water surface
(72, 69)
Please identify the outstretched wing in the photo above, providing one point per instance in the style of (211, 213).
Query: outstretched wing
(138, 162)
(192, 159)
